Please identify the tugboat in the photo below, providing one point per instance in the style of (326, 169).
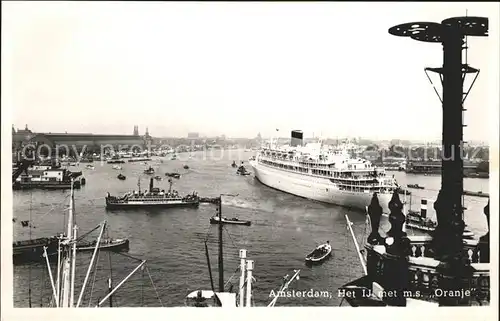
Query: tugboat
(415, 220)
(225, 220)
(152, 198)
(121, 177)
(320, 253)
(242, 170)
(234, 164)
(149, 171)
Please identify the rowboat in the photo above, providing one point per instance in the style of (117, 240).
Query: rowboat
(320, 253)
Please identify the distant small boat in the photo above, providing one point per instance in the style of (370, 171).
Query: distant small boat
(242, 171)
(174, 175)
(115, 161)
(415, 186)
(186, 167)
(320, 253)
(90, 167)
(158, 178)
(121, 177)
(174, 157)
(225, 220)
(234, 164)
(118, 167)
(150, 170)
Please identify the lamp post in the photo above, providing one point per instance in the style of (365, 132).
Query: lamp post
(448, 238)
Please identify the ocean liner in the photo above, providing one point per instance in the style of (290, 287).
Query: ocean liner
(323, 174)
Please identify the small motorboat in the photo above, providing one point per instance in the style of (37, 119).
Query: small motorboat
(174, 175)
(174, 157)
(186, 167)
(121, 177)
(150, 170)
(90, 167)
(242, 171)
(320, 253)
(415, 186)
(118, 167)
(225, 220)
(234, 164)
(158, 177)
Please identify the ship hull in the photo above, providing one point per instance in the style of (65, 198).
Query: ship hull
(315, 188)
(45, 185)
(35, 253)
(136, 205)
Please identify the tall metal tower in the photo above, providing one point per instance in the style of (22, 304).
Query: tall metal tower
(452, 34)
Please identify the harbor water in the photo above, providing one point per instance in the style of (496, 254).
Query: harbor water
(284, 229)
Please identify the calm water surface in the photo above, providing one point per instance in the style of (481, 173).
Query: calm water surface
(285, 228)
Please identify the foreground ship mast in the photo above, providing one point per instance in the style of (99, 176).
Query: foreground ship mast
(444, 268)
(63, 290)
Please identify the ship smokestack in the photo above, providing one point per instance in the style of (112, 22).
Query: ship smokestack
(151, 184)
(423, 208)
(297, 138)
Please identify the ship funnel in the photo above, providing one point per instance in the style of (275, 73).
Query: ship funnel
(151, 184)
(297, 138)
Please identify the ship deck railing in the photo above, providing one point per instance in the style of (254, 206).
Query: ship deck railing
(348, 179)
(327, 167)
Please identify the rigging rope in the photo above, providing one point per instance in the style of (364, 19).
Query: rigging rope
(85, 234)
(42, 287)
(142, 287)
(232, 241)
(237, 269)
(154, 287)
(129, 256)
(94, 276)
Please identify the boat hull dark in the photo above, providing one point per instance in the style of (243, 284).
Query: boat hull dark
(34, 253)
(317, 261)
(122, 206)
(121, 246)
(246, 223)
(46, 185)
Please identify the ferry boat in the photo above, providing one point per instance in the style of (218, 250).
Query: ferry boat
(152, 198)
(323, 174)
(46, 177)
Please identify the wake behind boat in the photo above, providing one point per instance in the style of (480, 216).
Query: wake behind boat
(152, 198)
(320, 253)
(225, 220)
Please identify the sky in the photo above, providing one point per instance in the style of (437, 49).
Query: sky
(238, 69)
